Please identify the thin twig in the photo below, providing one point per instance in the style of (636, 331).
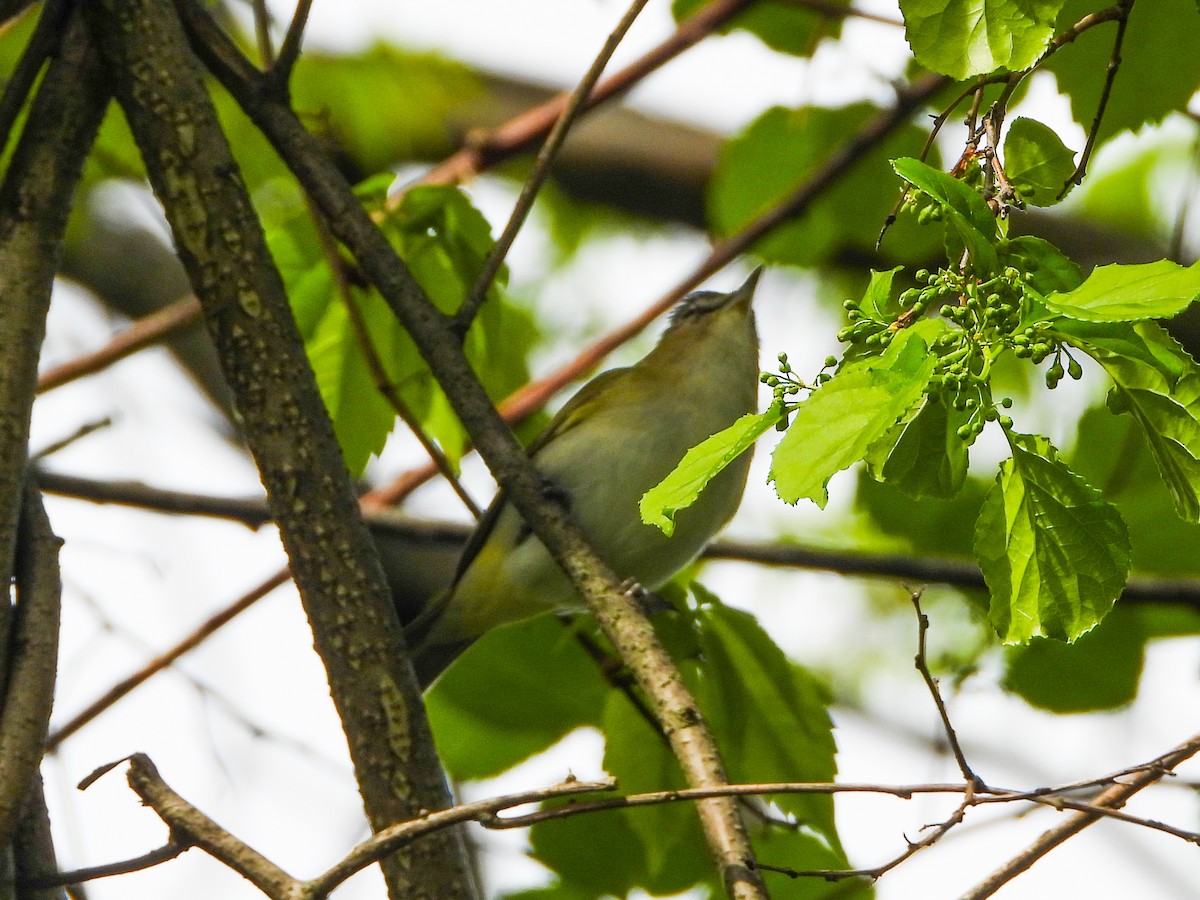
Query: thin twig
(1123, 8)
(523, 130)
(379, 374)
(169, 851)
(541, 170)
(922, 664)
(63, 443)
(1113, 797)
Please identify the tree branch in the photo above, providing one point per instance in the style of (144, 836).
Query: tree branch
(336, 568)
(29, 687)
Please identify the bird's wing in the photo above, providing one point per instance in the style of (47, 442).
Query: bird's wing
(572, 413)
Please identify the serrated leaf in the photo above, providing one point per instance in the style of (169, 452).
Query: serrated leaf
(1157, 290)
(834, 427)
(1036, 161)
(924, 456)
(966, 213)
(700, 465)
(1054, 553)
(961, 38)
(1158, 384)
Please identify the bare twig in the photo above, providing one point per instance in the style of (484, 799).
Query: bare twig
(46, 35)
(922, 664)
(1113, 797)
(169, 851)
(289, 50)
(541, 170)
(1122, 10)
(524, 130)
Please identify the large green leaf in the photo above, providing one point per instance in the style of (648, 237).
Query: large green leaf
(961, 38)
(1158, 384)
(838, 422)
(1054, 553)
(771, 714)
(923, 455)
(700, 465)
(1157, 290)
(516, 692)
(1099, 671)
(778, 152)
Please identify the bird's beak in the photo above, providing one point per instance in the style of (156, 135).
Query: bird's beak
(745, 293)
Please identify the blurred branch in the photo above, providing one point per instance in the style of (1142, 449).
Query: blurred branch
(201, 633)
(145, 332)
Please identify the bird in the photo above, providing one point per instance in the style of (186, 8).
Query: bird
(616, 438)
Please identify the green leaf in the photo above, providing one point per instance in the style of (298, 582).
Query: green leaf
(967, 215)
(836, 424)
(924, 456)
(1047, 269)
(777, 153)
(699, 466)
(877, 302)
(1099, 671)
(383, 105)
(1158, 384)
(1157, 290)
(1036, 161)
(961, 38)
(516, 692)
(1054, 553)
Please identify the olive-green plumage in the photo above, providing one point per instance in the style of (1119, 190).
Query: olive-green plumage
(614, 440)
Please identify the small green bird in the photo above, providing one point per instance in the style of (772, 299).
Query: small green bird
(621, 434)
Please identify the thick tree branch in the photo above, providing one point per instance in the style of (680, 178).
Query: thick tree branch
(616, 611)
(220, 241)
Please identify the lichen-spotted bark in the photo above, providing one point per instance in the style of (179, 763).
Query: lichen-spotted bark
(160, 87)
